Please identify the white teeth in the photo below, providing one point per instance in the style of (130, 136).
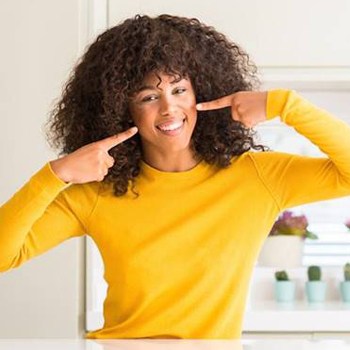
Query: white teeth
(172, 126)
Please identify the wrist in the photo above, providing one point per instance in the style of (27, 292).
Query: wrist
(56, 167)
(276, 102)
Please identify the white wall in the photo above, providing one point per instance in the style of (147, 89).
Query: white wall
(40, 40)
(290, 33)
(297, 44)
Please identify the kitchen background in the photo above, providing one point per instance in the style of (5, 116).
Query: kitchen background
(299, 45)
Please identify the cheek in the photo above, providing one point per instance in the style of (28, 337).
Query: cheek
(191, 109)
(143, 117)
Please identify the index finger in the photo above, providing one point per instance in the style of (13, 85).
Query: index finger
(114, 140)
(221, 102)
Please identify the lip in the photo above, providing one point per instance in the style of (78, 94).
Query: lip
(170, 121)
(175, 132)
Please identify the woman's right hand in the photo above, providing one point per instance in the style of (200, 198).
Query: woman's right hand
(90, 162)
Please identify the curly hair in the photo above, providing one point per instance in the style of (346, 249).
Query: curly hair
(94, 102)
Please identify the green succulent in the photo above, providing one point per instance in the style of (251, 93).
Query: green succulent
(347, 272)
(314, 273)
(281, 276)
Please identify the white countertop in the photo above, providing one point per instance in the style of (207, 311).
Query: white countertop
(301, 316)
(270, 316)
(169, 344)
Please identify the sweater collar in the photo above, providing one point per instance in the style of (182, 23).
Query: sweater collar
(150, 173)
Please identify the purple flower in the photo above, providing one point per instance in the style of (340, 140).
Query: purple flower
(289, 224)
(347, 223)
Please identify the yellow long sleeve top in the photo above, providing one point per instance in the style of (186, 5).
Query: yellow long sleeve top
(178, 259)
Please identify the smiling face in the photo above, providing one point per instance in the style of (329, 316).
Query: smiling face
(165, 114)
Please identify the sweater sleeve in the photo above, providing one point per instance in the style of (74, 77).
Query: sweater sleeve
(294, 179)
(40, 215)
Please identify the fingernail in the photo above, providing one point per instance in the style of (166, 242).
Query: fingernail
(134, 128)
(199, 106)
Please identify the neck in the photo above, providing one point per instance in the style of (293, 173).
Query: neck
(175, 162)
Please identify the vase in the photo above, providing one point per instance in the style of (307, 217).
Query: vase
(284, 291)
(282, 251)
(315, 291)
(345, 291)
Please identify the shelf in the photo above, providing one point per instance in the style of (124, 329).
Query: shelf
(298, 316)
(282, 317)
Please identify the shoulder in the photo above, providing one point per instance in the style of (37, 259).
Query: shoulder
(264, 160)
(89, 190)
(268, 156)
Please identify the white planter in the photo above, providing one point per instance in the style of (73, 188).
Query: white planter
(315, 291)
(345, 291)
(282, 251)
(284, 291)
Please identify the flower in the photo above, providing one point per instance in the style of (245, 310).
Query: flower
(289, 224)
(347, 223)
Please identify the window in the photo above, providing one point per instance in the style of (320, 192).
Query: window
(326, 218)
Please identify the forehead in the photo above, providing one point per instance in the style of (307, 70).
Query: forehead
(159, 79)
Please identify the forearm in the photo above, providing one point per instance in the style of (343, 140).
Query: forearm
(23, 209)
(329, 133)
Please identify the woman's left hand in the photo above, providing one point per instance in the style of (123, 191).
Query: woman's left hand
(247, 107)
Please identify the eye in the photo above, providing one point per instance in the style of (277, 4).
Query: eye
(149, 98)
(179, 90)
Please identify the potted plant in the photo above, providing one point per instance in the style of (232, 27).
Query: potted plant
(284, 287)
(347, 224)
(315, 288)
(285, 243)
(345, 285)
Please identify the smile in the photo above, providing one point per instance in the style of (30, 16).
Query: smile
(172, 129)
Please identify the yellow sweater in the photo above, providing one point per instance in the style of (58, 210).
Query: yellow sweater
(179, 258)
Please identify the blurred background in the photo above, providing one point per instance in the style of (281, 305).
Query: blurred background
(296, 45)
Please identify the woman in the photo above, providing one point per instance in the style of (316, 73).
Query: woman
(161, 169)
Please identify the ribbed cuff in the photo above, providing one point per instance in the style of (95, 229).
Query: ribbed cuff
(49, 180)
(276, 101)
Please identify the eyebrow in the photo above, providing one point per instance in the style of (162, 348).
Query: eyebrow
(147, 87)
(150, 87)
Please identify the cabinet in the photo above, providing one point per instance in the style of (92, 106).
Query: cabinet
(276, 33)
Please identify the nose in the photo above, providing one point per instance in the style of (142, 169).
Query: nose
(167, 106)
